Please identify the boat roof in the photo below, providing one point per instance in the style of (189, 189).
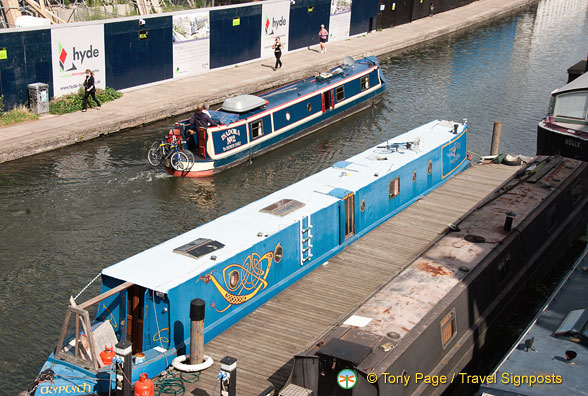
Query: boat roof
(161, 269)
(242, 106)
(543, 347)
(579, 83)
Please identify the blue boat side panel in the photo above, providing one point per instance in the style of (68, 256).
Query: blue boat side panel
(111, 308)
(361, 13)
(156, 330)
(454, 154)
(229, 139)
(323, 222)
(235, 35)
(297, 112)
(308, 16)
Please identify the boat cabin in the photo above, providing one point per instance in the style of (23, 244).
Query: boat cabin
(569, 105)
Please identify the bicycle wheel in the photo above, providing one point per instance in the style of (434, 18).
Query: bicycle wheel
(154, 156)
(191, 159)
(179, 161)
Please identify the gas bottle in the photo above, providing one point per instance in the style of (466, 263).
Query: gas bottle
(107, 355)
(144, 387)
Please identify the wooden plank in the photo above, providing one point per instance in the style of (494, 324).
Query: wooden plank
(105, 295)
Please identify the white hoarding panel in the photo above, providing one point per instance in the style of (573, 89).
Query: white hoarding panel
(340, 20)
(191, 48)
(274, 23)
(73, 50)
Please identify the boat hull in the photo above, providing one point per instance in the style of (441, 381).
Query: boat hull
(554, 140)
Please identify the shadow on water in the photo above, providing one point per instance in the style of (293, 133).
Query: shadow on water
(69, 213)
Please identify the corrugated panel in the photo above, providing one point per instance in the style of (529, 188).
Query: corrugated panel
(235, 35)
(131, 60)
(28, 60)
(361, 12)
(305, 24)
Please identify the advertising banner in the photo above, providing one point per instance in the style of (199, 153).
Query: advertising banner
(73, 50)
(274, 23)
(340, 20)
(191, 43)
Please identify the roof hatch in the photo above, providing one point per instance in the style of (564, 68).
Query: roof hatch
(574, 325)
(199, 247)
(283, 207)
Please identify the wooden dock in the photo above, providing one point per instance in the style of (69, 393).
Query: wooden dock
(266, 340)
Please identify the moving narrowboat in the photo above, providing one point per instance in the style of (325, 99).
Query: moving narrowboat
(241, 260)
(251, 125)
(565, 129)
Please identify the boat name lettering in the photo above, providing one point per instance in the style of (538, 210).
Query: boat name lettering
(572, 142)
(57, 390)
(453, 152)
(229, 135)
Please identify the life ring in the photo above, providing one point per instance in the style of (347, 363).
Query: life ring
(469, 156)
(178, 364)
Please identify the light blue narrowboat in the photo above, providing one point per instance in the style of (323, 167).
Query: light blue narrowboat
(241, 260)
(252, 125)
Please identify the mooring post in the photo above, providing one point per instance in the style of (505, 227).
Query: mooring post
(228, 376)
(124, 367)
(197, 308)
(496, 131)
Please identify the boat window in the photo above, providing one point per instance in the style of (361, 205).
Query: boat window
(394, 188)
(256, 129)
(448, 328)
(199, 247)
(365, 82)
(283, 207)
(572, 105)
(287, 116)
(308, 106)
(430, 167)
(413, 176)
(340, 93)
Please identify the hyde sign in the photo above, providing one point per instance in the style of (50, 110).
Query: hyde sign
(73, 50)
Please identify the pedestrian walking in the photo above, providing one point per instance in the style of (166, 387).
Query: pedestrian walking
(323, 36)
(277, 52)
(89, 89)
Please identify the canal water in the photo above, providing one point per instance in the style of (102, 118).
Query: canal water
(66, 214)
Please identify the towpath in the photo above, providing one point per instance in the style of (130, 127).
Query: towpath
(167, 99)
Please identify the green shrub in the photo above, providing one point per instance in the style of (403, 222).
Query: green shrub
(73, 102)
(18, 114)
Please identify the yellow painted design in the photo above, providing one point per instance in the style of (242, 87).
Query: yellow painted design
(111, 319)
(158, 336)
(252, 278)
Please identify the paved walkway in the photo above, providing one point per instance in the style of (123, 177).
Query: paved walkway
(152, 103)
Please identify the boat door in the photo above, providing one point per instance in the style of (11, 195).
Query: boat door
(328, 100)
(134, 325)
(347, 217)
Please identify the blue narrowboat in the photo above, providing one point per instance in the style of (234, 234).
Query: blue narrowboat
(241, 260)
(251, 125)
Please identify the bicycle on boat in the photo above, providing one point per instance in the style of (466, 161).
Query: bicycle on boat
(162, 151)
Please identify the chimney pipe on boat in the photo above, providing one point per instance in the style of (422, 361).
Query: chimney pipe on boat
(197, 308)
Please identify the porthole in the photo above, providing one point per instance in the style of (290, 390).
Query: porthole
(430, 167)
(362, 206)
(233, 279)
(278, 253)
(414, 176)
(287, 116)
(309, 107)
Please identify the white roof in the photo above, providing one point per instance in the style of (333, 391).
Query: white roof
(579, 83)
(160, 269)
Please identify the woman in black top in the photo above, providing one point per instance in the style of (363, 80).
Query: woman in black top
(278, 52)
(89, 89)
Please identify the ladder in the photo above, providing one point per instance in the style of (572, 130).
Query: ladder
(305, 239)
